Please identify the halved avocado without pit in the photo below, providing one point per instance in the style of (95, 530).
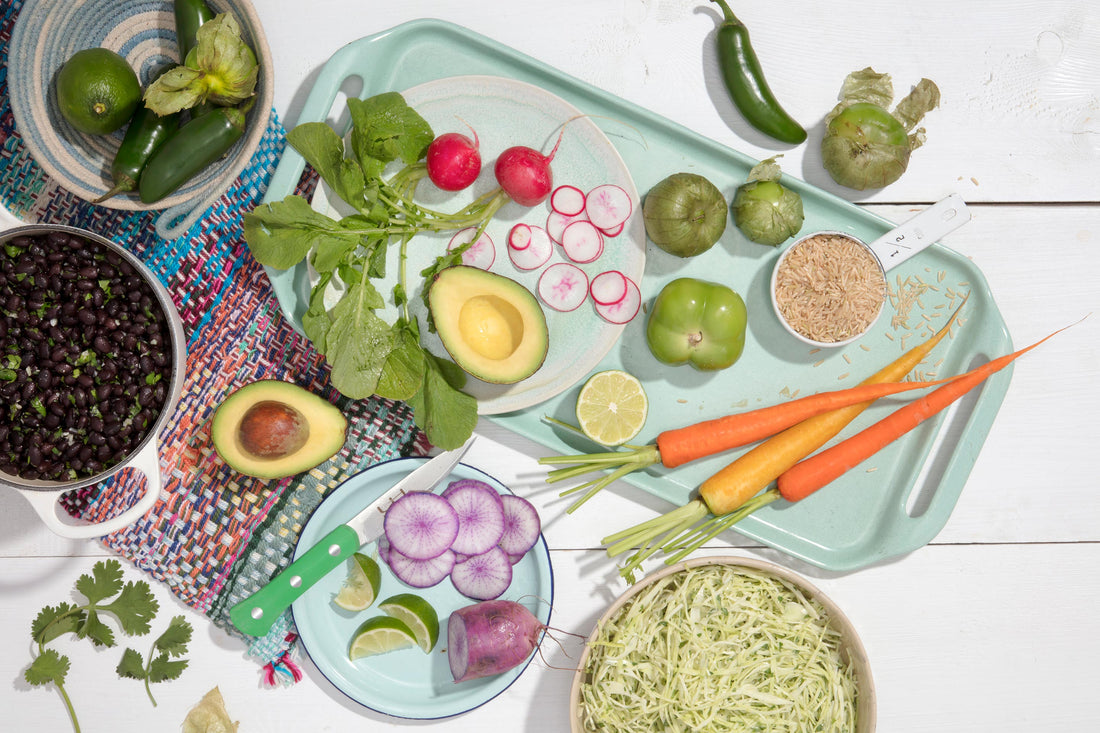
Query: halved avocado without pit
(492, 326)
(274, 429)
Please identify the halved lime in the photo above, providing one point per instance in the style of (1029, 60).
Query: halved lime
(361, 586)
(417, 614)
(612, 407)
(378, 635)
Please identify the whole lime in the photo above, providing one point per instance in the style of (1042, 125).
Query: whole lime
(97, 91)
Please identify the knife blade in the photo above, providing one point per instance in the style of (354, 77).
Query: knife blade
(257, 613)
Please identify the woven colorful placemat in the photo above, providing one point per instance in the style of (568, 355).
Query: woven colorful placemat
(214, 536)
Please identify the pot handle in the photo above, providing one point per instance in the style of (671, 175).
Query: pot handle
(45, 502)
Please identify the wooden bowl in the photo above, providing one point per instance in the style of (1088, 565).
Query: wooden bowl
(48, 33)
(851, 648)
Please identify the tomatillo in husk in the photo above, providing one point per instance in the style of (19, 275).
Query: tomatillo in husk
(685, 214)
(697, 322)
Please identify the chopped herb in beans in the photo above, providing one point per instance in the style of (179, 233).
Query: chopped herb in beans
(85, 357)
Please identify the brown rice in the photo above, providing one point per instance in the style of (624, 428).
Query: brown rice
(829, 288)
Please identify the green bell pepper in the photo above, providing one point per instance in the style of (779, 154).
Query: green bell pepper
(698, 322)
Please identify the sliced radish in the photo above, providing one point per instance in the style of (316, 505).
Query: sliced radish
(608, 206)
(480, 517)
(521, 525)
(480, 254)
(567, 200)
(421, 573)
(536, 253)
(519, 236)
(582, 242)
(563, 286)
(625, 309)
(608, 288)
(614, 231)
(556, 222)
(384, 549)
(420, 525)
(483, 577)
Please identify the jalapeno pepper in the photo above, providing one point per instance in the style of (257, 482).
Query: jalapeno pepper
(191, 148)
(190, 15)
(746, 84)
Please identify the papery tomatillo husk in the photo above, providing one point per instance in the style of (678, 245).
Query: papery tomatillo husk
(685, 214)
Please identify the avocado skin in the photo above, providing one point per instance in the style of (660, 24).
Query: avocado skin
(327, 428)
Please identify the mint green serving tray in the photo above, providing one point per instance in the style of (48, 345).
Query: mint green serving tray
(892, 504)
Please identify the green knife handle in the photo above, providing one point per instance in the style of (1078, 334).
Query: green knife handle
(256, 614)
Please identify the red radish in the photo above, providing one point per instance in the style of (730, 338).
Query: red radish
(524, 173)
(420, 525)
(480, 254)
(563, 286)
(454, 160)
(582, 242)
(608, 288)
(420, 573)
(519, 236)
(483, 576)
(536, 253)
(556, 222)
(480, 517)
(608, 206)
(490, 638)
(624, 310)
(567, 200)
(521, 525)
(614, 231)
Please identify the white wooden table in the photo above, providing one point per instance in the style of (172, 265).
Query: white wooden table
(991, 627)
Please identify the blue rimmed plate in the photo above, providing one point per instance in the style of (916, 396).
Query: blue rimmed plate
(406, 683)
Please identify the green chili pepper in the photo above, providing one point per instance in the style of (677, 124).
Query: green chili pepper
(190, 14)
(146, 132)
(191, 148)
(746, 84)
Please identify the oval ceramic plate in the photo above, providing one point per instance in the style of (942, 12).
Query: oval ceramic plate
(506, 112)
(406, 683)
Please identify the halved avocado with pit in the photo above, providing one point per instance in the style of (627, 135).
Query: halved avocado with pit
(274, 429)
(491, 325)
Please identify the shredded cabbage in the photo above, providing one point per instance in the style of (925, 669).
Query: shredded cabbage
(718, 648)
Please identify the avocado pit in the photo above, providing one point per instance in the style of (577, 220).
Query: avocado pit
(271, 429)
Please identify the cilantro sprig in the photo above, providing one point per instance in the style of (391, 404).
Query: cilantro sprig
(368, 355)
(133, 608)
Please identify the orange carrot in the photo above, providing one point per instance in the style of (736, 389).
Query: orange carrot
(811, 474)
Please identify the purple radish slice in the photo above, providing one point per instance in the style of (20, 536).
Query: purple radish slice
(614, 231)
(420, 525)
(582, 242)
(421, 573)
(608, 206)
(384, 549)
(563, 286)
(463, 483)
(556, 222)
(567, 200)
(490, 638)
(536, 253)
(516, 558)
(484, 576)
(608, 288)
(624, 310)
(480, 254)
(521, 525)
(480, 518)
(519, 236)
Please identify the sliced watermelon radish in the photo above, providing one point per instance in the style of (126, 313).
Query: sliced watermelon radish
(608, 206)
(563, 286)
(480, 254)
(567, 200)
(582, 242)
(536, 253)
(421, 573)
(625, 309)
(608, 287)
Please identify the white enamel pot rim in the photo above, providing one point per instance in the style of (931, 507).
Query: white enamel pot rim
(43, 495)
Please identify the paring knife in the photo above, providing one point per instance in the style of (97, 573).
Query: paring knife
(256, 614)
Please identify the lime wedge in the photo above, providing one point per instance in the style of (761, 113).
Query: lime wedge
(378, 635)
(612, 407)
(361, 586)
(417, 614)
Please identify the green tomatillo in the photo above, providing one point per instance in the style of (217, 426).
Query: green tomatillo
(697, 322)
